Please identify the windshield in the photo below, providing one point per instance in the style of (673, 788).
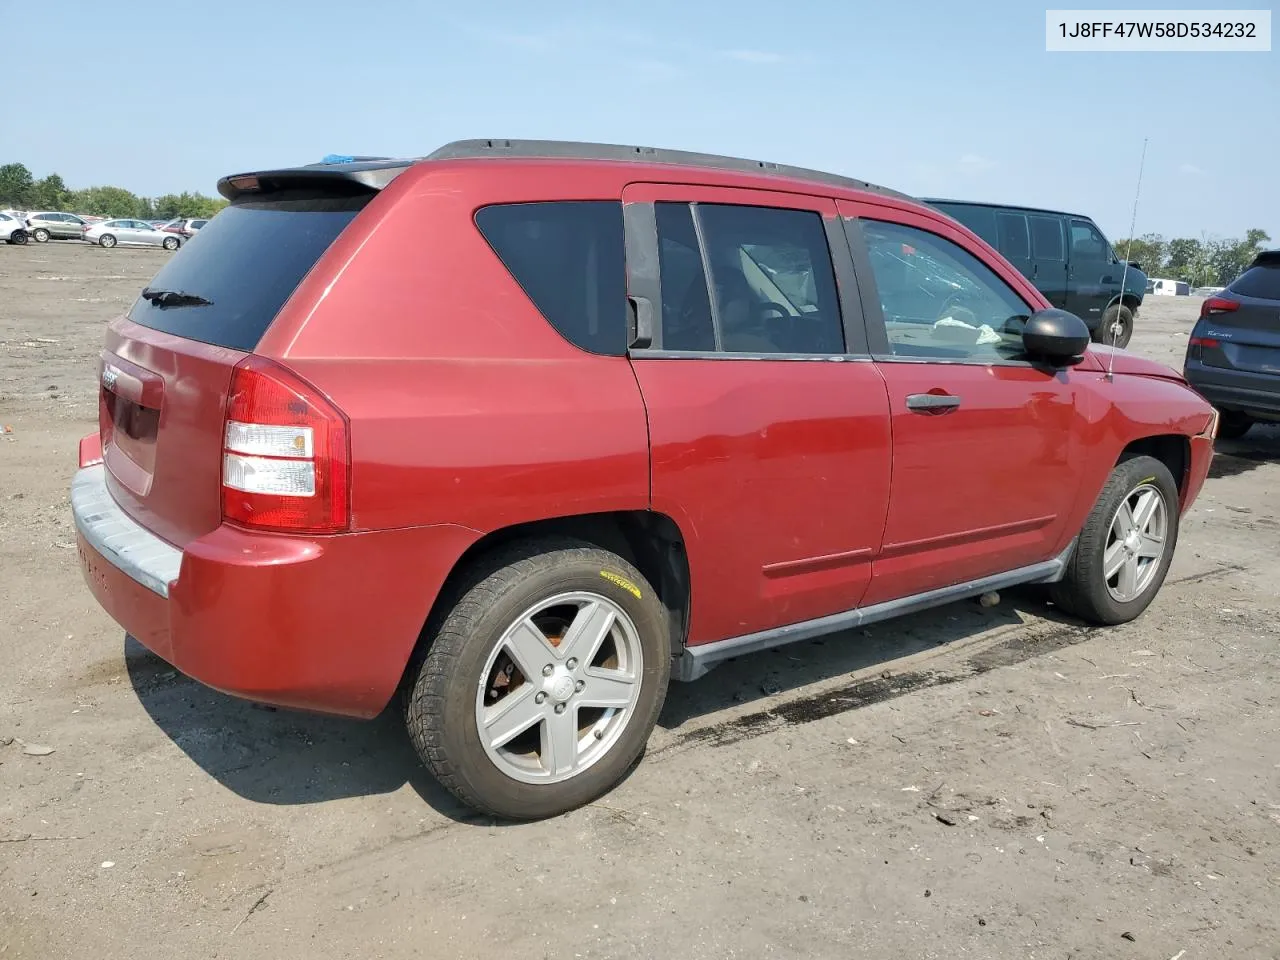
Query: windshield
(239, 272)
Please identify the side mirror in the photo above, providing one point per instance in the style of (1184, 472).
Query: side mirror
(1056, 336)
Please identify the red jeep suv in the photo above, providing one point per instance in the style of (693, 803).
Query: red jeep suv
(525, 429)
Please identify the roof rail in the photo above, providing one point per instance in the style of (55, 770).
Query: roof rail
(573, 150)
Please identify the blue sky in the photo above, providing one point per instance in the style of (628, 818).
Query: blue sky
(933, 98)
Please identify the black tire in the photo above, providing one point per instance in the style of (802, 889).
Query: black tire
(107, 240)
(170, 243)
(1232, 424)
(442, 701)
(18, 237)
(1083, 590)
(40, 235)
(1116, 327)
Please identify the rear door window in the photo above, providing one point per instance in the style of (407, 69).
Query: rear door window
(252, 258)
(1263, 282)
(568, 257)
(1014, 243)
(1046, 238)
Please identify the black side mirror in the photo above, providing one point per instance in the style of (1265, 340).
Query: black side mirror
(1057, 336)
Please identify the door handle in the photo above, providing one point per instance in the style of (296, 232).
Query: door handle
(932, 402)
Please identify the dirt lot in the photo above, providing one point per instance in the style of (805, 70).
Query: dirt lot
(972, 782)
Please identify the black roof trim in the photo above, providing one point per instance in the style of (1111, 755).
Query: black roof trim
(371, 175)
(574, 150)
(1266, 258)
(1006, 206)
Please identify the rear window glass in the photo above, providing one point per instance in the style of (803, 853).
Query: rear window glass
(1261, 282)
(1014, 242)
(568, 257)
(247, 261)
(981, 220)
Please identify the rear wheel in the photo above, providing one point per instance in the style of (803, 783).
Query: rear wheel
(107, 240)
(1116, 327)
(1126, 546)
(1232, 424)
(170, 243)
(543, 680)
(18, 237)
(40, 235)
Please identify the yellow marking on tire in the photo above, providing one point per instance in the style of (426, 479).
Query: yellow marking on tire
(623, 582)
(1148, 480)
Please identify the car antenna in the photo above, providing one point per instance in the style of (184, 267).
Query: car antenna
(1124, 274)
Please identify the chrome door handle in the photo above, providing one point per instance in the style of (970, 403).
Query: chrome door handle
(932, 402)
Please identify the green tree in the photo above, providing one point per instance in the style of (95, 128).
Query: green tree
(173, 205)
(109, 202)
(1149, 251)
(16, 186)
(50, 193)
(1184, 254)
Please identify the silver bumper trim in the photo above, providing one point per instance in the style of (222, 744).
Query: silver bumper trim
(129, 546)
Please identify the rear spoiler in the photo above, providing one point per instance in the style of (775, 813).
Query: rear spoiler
(1267, 258)
(325, 179)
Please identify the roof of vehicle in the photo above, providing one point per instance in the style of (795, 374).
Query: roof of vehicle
(1007, 206)
(364, 175)
(1267, 258)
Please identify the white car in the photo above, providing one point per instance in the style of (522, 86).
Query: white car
(12, 229)
(131, 233)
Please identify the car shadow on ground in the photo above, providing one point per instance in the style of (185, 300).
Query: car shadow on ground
(292, 758)
(1234, 457)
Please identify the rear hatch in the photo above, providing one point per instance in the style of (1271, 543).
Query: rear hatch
(167, 367)
(1240, 328)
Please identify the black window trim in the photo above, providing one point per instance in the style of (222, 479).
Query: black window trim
(644, 282)
(878, 332)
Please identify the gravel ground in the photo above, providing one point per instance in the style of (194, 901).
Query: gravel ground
(970, 782)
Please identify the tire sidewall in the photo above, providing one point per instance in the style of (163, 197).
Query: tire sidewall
(460, 735)
(170, 243)
(1125, 315)
(1128, 476)
(107, 241)
(40, 235)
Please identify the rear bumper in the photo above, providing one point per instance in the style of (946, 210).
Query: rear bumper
(1257, 394)
(320, 623)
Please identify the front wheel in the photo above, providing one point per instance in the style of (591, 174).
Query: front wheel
(1116, 327)
(40, 235)
(1232, 424)
(170, 243)
(107, 240)
(543, 680)
(1126, 546)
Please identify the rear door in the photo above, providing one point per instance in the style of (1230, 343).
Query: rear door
(985, 442)
(167, 369)
(1015, 241)
(768, 423)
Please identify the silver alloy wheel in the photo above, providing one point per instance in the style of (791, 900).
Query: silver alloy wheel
(107, 240)
(559, 687)
(1136, 543)
(170, 243)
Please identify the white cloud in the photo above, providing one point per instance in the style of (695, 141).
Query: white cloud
(754, 56)
(1190, 169)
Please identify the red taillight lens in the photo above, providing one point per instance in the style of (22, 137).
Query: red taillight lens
(1203, 342)
(1218, 305)
(285, 457)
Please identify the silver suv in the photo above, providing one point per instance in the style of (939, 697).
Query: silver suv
(44, 227)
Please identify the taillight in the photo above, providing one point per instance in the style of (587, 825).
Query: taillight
(1218, 305)
(285, 454)
(1203, 342)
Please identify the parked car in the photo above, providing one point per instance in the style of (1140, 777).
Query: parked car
(1066, 257)
(186, 228)
(12, 229)
(136, 233)
(1206, 291)
(1233, 354)
(592, 440)
(46, 226)
(1160, 287)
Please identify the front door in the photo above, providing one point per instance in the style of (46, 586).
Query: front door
(1093, 277)
(984, 441)
(768, 422)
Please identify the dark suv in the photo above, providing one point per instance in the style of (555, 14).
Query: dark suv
(529, 429)
(1068, 259)
(1233, 356)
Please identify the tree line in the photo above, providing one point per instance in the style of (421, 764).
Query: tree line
(1201, 263)
(20, 190)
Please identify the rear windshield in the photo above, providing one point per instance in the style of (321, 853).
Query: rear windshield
(1261, 282)
(246, 262)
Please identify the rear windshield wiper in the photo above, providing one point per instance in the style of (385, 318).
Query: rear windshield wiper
(174, 298)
